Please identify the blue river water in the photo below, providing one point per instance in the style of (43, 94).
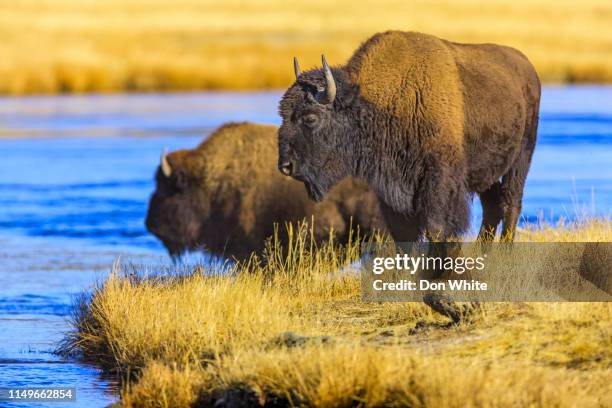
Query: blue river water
(76, 173)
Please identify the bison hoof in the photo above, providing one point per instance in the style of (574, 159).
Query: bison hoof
(444, 305)
(447, 307)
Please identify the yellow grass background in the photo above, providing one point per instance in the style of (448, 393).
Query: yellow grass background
(50, 46)
(201, 339)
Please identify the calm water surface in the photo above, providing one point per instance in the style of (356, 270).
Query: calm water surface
(76, 174)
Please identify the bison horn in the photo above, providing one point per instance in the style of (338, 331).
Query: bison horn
(330, 83)
(165, 165)
(296, 67)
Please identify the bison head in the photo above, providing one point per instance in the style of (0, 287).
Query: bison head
(314, 137)
(177, 209)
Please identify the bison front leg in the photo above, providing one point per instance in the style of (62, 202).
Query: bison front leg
(445, 216)
(403, 228)
(445, 209)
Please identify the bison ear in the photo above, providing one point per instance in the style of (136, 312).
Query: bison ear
(349, 94)
(179, 178)
(176, 174)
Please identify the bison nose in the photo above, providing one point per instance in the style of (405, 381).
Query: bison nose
(286, 168)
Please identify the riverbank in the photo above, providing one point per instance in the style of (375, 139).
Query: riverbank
(296, 332)
(71, 46)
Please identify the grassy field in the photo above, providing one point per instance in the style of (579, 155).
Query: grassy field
(295, 332)
(51, 46)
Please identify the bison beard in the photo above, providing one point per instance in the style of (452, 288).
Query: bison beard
(426, 122)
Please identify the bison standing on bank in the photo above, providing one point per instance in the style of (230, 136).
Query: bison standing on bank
(425, 121)
(226, 195)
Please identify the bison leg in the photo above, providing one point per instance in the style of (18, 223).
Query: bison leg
(492, 212)
(402, 227)
(513, 184)
(447, 217)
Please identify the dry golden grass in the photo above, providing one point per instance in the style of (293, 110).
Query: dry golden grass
(51, 46)
(201, 339)
(351, 373)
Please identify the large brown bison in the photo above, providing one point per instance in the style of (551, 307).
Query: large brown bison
(426, 122)
(225, 195)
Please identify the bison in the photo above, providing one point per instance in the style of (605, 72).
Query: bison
(225, 196)
(427, 122)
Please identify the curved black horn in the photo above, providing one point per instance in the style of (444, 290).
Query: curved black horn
(165, 165)
(296, 67)
(330, 83)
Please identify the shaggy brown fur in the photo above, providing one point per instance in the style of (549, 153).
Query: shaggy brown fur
(225, 196)
(425, 121)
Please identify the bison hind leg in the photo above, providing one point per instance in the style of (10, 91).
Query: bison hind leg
(513, 185)
(492, 212)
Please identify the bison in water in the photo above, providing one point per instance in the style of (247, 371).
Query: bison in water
(426, 122)
(225, 196)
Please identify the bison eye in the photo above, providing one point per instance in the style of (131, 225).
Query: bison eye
(310, 120)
